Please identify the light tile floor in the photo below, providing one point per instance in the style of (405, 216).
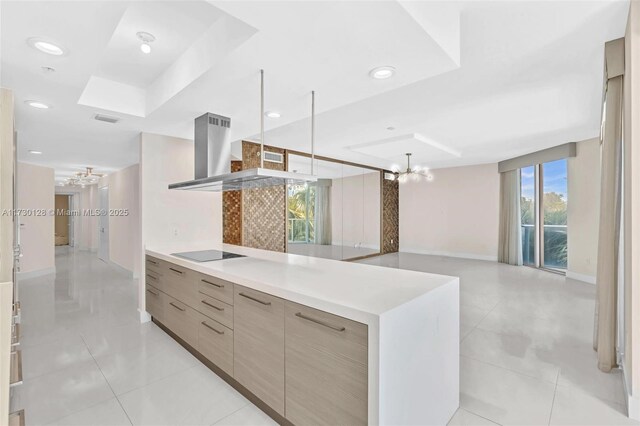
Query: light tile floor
(526, 354)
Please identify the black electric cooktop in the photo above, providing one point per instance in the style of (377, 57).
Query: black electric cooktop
(206, 255)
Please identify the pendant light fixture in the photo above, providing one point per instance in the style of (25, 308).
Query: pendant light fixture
(415, 173)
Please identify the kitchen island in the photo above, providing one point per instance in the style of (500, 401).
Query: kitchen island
(315, 340)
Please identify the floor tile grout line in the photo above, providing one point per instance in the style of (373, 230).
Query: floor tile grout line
(157, 380)
(511, 370)
(479, 415)
(230, 414)
(519, 373)
(553, 402)
(478, 323)
(107, 382)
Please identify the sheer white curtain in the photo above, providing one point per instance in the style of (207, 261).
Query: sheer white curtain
(510, 234)
(322, 212)
(605, 322)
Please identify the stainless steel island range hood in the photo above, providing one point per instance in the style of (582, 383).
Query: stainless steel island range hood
(213, 158)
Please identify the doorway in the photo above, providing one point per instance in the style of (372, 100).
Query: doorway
(103, 223)
(63, 228)
(543, 208)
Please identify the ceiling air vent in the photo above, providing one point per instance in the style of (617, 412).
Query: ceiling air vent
(106, 118)
(274, 157)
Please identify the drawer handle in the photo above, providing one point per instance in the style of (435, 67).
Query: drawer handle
(212, 306)
(176, 271)
(317, 321)
(153, 262)
(152, 277)
(255, 300)
(213, 284)
(177, 307)
(153, 292)
(211, 328)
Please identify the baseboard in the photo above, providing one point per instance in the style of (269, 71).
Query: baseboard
(632, 402)
(472, 256)
(144, 316)
(36, 273)
(581, 277)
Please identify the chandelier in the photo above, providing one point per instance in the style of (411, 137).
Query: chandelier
(85, 178)
(415, 174)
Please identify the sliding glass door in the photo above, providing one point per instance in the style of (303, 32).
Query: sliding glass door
(543, 206)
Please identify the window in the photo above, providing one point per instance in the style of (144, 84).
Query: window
(543, 207)
(300, 213)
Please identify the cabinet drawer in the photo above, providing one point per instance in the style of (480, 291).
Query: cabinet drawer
(154, 279)
(153, 264)
(326, 371)
(179, 283)
(215, 309)
(215, 342)
(216, 288)
(182, 320)
(154, 302)
(258, 341)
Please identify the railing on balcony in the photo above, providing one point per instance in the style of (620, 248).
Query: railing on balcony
(555, 246)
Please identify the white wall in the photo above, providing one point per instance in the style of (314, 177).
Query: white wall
(36, 188)
(173, 216)
(456, 214)
(583, 180)
(355, 210)
(124, 230)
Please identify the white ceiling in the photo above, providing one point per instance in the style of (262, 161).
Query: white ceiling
(482, 80)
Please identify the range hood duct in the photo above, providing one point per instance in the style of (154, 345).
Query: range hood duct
(213, 158)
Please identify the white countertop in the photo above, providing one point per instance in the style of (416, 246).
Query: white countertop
(355, 291)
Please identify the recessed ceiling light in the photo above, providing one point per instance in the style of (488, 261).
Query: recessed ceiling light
(46, 46)
(272, 114)
(380, 73)
(48, 70)
(31, 151)
(37, 104)
(146, 39)
(391, 128)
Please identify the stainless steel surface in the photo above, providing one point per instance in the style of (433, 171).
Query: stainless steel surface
(211, 328)
(213, 158)
(255, 299)
(212, 145)
(262, 119)
(207, 256)
(245, 179)
(313, 127)
(320, 322)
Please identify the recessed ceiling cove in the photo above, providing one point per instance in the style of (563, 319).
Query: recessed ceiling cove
(190, 38)
(393, 149)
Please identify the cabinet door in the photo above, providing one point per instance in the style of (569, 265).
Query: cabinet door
(154, 302)
(182, 320)
(215, 287)
(179, 283)
(326, 368)
(215, 342)
(258, 338)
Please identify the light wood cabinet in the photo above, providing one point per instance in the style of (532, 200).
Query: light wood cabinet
(182, 320)
(215, 342)
(309, 366)
(215, 309)
(216, 288)
(258, 338)
(155, 302)
(326, 368)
